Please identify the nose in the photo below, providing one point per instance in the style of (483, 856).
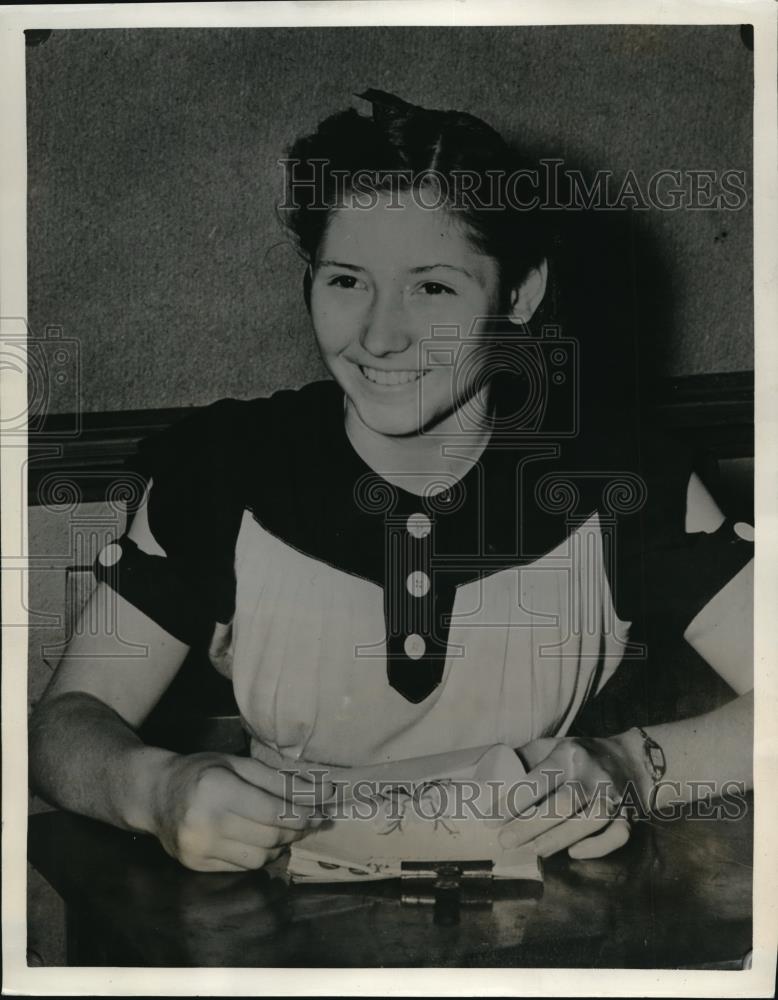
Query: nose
(386, 329)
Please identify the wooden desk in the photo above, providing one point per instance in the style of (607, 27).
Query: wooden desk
(679, 895)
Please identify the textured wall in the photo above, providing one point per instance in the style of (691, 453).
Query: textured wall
(153, 179)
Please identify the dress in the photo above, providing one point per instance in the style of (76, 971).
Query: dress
(361, 623)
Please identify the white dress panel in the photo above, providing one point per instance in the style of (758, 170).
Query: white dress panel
(307, 656)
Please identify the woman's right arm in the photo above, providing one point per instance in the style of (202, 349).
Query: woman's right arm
(211, 811)
(84, 753)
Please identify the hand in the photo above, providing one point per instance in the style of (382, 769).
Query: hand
(218, 812)
(572, 795)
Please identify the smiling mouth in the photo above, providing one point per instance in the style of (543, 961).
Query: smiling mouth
(379, 377)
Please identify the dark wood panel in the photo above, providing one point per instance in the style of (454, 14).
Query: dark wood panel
(715, 411)
(712, 411)
(90, 465)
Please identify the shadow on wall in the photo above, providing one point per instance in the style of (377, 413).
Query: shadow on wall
(153, 177)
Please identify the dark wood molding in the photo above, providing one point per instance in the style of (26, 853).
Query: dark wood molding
(713, 411)
(86, 465)
(85, 462)
(717, 395)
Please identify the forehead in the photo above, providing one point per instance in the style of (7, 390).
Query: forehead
(409, 235)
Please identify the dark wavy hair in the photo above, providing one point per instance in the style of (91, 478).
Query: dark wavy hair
(596, 262)
(415, 145)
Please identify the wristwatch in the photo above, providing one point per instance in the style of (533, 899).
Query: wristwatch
(655, 761)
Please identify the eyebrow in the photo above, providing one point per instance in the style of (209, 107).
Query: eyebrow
(423, 269)
(434, 267)
(338, 263)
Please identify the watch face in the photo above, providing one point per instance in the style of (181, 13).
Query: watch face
(657, 758)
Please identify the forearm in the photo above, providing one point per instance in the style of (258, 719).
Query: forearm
(85, 758)
(705, 755)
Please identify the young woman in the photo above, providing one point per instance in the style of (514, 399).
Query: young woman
(442, 547)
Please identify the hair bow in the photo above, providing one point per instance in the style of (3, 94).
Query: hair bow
(386, 106)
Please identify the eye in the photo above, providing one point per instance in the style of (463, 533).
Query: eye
(346, 281)
(436, 288)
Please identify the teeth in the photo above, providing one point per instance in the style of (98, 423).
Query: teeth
(390, 378)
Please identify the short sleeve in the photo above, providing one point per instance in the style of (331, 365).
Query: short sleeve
(673, 573)
(660, 576)
(194, 507)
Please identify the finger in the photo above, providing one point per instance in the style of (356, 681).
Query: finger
(245, 831)
(214, 865)
(611, 839)
(537, 784)
(532, 753)
(243, 856)
(260, 806)
(568, 833)
(307, 785)
(532, 823)
(209, 865)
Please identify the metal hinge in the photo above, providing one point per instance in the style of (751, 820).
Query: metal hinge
(446, 874)
(446, 885)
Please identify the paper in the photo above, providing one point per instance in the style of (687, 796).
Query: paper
(447, 807)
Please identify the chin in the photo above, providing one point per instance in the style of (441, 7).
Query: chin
(388, 420)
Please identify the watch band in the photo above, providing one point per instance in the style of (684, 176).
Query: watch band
(655, 761)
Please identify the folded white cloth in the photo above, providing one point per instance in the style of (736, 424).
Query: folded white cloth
(446, 807)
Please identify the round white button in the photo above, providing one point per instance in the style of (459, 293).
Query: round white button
(744, 531)
(418, 583)
(419, 525)
(414, 646)
(110, 555)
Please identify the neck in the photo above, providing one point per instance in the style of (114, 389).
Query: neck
(414, 461)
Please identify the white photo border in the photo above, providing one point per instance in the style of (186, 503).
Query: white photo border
(758, 981)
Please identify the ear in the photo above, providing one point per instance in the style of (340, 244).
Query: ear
(526, 297)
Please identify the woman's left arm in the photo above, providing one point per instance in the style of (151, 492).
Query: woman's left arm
(575, 786)
(705, 756)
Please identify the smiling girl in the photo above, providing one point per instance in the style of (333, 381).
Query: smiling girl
(433, 550)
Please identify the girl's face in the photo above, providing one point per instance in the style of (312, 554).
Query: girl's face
(396, 297)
